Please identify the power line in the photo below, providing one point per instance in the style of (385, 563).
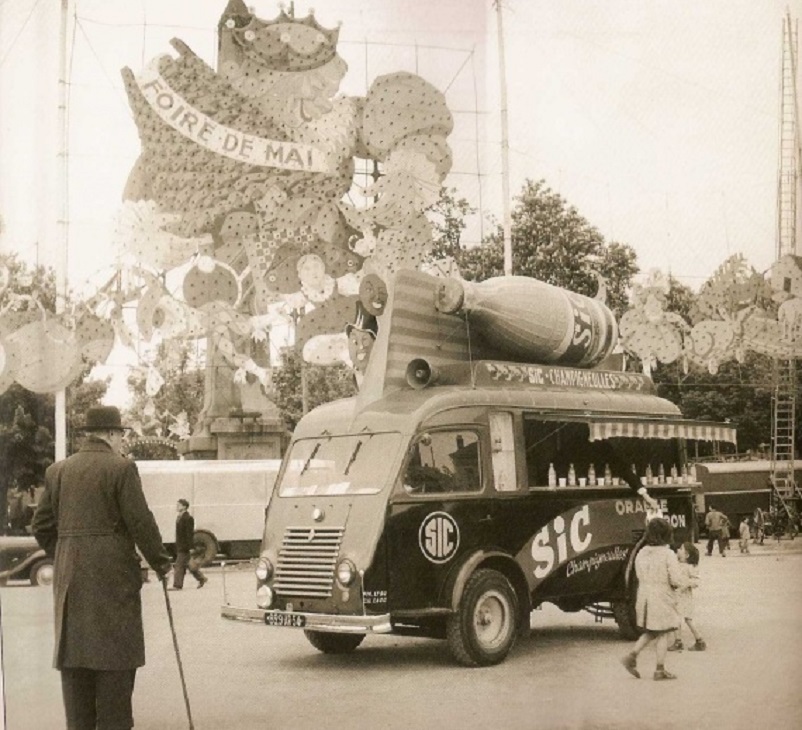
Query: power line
(19, 33)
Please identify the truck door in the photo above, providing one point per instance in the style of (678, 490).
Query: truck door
(440, 510)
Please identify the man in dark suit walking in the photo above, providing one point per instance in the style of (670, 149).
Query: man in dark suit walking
(184, 543)
(92, 517)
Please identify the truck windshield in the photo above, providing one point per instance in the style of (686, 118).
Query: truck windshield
(332, 465)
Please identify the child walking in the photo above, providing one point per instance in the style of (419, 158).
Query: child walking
(659, 575)
(688, 556)
(743, 535)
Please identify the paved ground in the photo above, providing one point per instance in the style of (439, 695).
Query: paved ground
(565, 675)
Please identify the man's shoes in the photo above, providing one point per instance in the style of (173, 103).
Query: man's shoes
(663, 674)
(630, 662)
(698, 646)
(174, 588)
(676, 646)
(203, 582)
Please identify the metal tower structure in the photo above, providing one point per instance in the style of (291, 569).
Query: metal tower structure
(789, 241)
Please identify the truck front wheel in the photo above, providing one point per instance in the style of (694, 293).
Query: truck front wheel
(483, 629)
(330, 643)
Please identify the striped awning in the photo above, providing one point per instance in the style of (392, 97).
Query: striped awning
(692, 430)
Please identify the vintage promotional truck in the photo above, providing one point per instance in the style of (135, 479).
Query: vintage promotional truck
(457, 492)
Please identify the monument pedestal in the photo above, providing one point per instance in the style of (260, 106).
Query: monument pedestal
(238, 437)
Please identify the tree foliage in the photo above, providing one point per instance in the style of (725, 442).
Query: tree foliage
(448, 220)
(27, 420)
(323, 384)
(174, 409)
(552, 242)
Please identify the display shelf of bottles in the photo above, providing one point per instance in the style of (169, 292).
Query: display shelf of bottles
(686, 475)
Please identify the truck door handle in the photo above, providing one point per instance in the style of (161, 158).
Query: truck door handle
(486, 518)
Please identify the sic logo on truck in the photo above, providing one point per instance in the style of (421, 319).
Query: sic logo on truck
(439, 537)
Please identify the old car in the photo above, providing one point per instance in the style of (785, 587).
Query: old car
(21, 558)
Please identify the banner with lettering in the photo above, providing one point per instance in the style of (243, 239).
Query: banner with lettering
(177, 112)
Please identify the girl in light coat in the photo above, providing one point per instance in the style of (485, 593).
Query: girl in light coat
(659, 574)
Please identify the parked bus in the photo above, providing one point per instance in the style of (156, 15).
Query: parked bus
(736, 488)
(459, 499)
(227, 499)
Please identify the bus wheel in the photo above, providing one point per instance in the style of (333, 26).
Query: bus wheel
(482, 630)
(42, 573)
(330, 643)
(624, 614)
(204, 547)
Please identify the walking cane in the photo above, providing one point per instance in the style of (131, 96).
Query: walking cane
(177, 653)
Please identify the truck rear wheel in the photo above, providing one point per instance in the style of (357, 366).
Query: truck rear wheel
(483, 629)
(330, 643)
(204, 547)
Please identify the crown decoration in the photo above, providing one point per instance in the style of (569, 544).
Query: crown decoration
(285, 43)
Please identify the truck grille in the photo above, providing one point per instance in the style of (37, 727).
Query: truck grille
(306, 561)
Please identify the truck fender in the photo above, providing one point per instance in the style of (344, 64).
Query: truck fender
(501, 561)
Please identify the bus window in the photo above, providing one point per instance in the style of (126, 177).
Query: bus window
(444, 462)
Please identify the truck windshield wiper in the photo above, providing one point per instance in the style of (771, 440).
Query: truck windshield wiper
(352, 458)
(311, 456)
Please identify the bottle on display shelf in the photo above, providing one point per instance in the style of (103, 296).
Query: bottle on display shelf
(673, 473)
(608, 475)
(649, 474)
(592, 476)
(693, 473)
(661, 474)
(684, 473)
(552, 476)
(571, 476)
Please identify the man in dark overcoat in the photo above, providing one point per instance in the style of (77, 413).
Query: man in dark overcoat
(184, 544)
(92, 517)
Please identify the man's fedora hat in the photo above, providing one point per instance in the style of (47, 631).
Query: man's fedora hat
(104, 418)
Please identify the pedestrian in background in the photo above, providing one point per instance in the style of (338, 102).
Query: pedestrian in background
(759, 520)
(92, 517)
(726, 531)
(743, 534)
(714, 522)
(659, 574)
(688, 557)
(184, 544)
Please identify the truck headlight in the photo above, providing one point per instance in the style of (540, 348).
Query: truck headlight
(264, 597)
(346, 571)
(264, 569)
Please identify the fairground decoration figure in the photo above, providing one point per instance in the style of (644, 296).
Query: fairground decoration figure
(239, 192)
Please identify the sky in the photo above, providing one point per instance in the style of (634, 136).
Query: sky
(658, 120)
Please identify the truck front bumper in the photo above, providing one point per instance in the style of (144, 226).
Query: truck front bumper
(334, 623)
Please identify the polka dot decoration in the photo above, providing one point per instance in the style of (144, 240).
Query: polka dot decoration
(220, 284)
(399, 105)
(95, 338)
(48, 356)
(331, 349)
(330, 316)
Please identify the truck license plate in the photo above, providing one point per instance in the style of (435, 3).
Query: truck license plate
(285, 619)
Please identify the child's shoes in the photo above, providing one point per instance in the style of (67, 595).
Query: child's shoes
(698, 646)
(664, 674)
(676, 646)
